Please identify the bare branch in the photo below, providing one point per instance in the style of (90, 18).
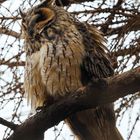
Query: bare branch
(12, 64)
(68, 2)
(8, 124)
(132, 25)
(132, 50)
(2, 1)
(9, 18)
(105, 91)
(9, 32)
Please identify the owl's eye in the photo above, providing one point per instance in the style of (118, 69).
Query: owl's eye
(41, 18)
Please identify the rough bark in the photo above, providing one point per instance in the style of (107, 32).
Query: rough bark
(97, 93)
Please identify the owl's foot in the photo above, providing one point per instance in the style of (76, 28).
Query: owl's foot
(46, 104)
(82, 89)
(39, 108)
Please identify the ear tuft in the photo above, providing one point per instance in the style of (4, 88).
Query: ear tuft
(22, 13)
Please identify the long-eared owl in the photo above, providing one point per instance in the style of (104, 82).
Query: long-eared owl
(62, 55)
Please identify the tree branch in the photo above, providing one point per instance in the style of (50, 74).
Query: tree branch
(132, 50)
(7, 31)
(131, 25)
(8, 124)
(12, 64)
(68, 2)
(97, 93)
(2, 1)
(10, 18)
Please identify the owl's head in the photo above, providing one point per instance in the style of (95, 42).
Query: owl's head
(38, 18)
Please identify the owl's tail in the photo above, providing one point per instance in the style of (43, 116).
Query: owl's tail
(95, 124)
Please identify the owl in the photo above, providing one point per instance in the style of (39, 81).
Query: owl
(63, 55)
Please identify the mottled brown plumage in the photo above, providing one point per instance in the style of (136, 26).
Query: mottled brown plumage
(63, 55)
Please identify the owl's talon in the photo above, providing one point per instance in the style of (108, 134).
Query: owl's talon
(39, 108)
(82, 89)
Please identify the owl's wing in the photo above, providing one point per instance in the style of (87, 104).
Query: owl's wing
(96, 63)
(99, 123)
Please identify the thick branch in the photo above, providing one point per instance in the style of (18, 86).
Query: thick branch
(8, 124)
(2, 1)
(97, 93)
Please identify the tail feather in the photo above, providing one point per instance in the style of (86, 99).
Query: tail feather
(95, 124)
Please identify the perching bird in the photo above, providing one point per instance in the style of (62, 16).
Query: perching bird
(63, 55)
